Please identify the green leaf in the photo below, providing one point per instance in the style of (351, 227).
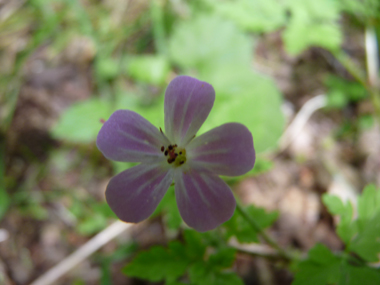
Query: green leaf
(342, 91)
(334, 204)
(195, 245)
(159, 263)
(246, 97)
(168, 264)
(150, 69)
(366, 11)
(312, 23)
(354, 275)
(367, 242)
(80, 123)
(346, 228)
(211, 271)
(362, 235)
(228, 279)
(324, 268)
(237, 226)
(202, 275)
(224, 258)
(321, 267)
(254, 15)
(209, 42)
(369, 202)
(336, 99)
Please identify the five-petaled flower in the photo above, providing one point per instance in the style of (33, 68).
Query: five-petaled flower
(204, 200)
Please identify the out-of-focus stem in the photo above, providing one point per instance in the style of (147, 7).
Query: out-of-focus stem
(300, 120)
(70, 262)
(372, 55)
(264, 235)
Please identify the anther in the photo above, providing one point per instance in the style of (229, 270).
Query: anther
(162, 148)
(176, 154)
(166, 153)
(181, 162)
(170, 147)
(180, 152)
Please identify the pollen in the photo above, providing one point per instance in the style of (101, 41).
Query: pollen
(175, 156)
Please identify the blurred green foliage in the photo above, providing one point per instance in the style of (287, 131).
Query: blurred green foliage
(81, 122)
(238, 227)
(341, 92)
(312, 24)
(132, 59)
(172, 262)
(362, 234)
(255, 16)
(148, 69)
(324, 267)
(91, 216)
(211, 43)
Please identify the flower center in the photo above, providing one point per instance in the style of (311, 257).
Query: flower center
(175, 155)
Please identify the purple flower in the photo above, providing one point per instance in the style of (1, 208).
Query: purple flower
(204, 200)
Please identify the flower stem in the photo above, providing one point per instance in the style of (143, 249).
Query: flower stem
(264, 235)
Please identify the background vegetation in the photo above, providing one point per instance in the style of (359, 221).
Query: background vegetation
(66, 64)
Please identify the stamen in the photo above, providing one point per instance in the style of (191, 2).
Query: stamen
(178, 156)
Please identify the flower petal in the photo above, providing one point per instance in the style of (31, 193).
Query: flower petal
(127, 136)
(225, 150)
(135, 193)
(188, 102)
(204, 200)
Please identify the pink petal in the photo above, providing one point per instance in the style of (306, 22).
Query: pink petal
(204, 200)
(188, 102)
(225, 150)
(126, 136)
(135, 193)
